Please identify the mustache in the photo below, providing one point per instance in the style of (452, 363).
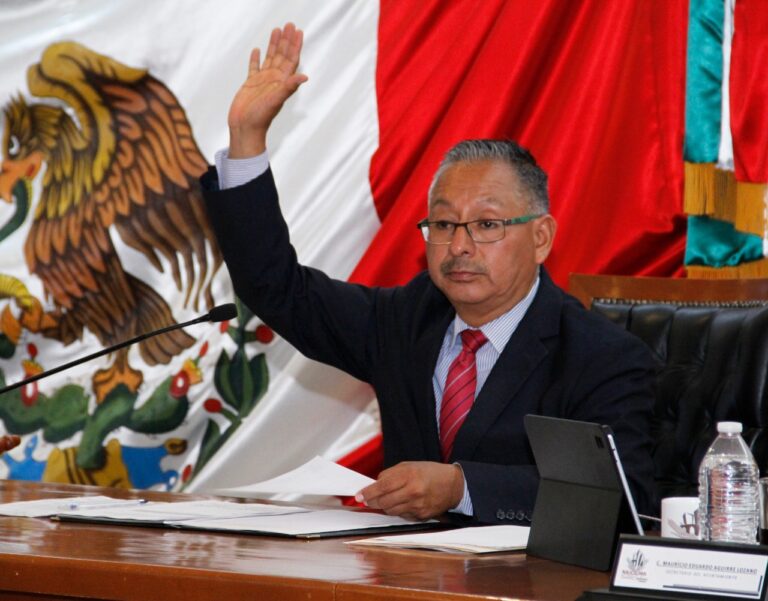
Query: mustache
(461, 264)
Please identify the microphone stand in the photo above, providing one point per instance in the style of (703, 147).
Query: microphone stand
(220, 313)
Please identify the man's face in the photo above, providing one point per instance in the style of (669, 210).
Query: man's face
(484, 280)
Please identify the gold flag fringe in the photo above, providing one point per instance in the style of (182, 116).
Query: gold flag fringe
(750, 207)
(752, 269)
(709, 191)
(716, 193)
(725, 196)
(699, 195)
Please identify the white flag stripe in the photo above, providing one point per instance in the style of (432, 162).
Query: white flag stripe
(321, 146)
(725, 152)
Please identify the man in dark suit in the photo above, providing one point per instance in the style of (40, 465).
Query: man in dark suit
(458, 355)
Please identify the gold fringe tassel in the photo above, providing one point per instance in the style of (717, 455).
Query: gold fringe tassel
(709, 191)
(725, 196)
(750, 207)
(752, 269)
(699, 194)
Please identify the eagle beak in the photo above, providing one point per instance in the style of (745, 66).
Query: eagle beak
(11, 171)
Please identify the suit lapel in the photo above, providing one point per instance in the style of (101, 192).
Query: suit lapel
(522, 354)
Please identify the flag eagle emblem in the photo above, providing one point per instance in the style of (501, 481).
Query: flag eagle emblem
(118, 157)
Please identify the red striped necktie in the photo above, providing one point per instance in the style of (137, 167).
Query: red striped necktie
(459, 392)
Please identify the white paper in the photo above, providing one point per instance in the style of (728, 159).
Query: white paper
(47, 507)
(162, 512)
(477, 539)
(308, 523)
(318, 476)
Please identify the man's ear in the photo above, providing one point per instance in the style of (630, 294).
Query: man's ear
(544, 229)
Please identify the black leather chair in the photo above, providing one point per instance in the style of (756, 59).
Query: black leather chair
(710, 340)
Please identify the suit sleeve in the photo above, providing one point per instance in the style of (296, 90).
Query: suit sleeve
(617, 390)
(327, 320)
(501, 493)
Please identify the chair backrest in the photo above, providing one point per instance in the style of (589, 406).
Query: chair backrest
(710, 341)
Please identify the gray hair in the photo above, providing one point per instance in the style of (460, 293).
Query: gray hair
(532, 178)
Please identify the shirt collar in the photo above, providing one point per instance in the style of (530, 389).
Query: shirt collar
(500, 330)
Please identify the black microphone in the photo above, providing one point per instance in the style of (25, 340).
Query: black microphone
(219, 313)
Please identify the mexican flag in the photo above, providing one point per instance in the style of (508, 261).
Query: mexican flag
(726, 162)
(111, 112)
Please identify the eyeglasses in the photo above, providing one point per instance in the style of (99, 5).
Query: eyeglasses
(480, 230)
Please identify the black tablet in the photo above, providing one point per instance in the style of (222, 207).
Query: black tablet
(583, 502)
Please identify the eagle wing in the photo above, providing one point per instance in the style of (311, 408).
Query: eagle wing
(121, 155)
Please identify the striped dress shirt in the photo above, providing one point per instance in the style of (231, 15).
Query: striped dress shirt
(498, 332)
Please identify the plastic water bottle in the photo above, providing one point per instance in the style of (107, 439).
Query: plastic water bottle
(728, 489)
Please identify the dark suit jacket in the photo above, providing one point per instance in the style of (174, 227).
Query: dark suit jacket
(561, 361)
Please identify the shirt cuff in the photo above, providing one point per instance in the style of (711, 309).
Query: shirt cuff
(465, 505)
(236, 172)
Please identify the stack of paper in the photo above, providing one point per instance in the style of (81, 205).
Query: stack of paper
(319, 476)
(162, 513)
(211, 514)
(478, 539)
(309, 524)
(40, 508)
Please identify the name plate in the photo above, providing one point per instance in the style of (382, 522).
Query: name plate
(690, 569)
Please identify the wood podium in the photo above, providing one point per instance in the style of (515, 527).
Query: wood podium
(42, 559)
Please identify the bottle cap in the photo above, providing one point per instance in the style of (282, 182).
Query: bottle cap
(729, 427)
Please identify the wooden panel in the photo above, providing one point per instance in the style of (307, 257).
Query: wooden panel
(17, 596)
(70, 578)
(588, 287)
(495, 576)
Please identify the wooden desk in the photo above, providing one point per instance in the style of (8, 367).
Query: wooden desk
(46, 560)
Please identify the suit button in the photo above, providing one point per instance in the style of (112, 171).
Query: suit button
(500, 515)
(520, 515)
(511, 514)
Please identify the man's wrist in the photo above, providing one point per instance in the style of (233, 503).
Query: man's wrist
(457, 489)
(464, 503)
(246, 144)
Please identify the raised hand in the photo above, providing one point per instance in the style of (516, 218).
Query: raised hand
(266, 88)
